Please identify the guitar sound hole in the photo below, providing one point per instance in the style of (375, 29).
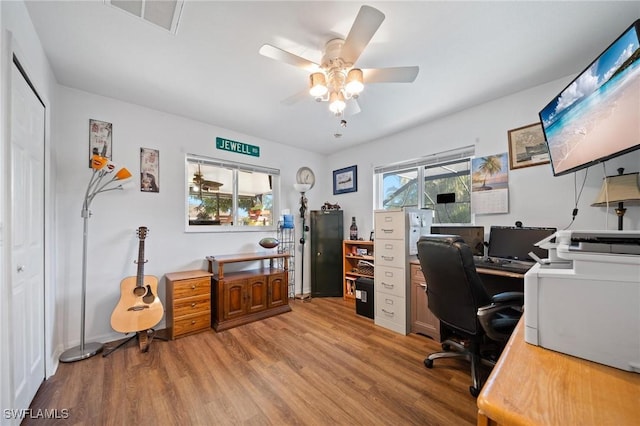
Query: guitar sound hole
(149, 297)
(139, 291)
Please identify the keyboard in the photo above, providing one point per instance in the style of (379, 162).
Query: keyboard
(520, 268)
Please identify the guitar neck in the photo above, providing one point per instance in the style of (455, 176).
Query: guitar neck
(140, 276)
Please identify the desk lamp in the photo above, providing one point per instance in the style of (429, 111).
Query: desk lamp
(101, 168)
(621, 188)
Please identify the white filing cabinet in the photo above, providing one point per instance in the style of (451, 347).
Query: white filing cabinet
(396, 235)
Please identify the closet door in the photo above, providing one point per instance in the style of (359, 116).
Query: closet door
(327, 234)
(27, 240)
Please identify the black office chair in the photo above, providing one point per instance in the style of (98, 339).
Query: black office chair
(470, 318)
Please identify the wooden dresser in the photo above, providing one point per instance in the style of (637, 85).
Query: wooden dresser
(188, 299)
(240, 297)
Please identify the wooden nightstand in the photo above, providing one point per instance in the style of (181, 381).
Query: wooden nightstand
(188, 299)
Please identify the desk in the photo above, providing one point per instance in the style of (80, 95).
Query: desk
(531, 385)
(498, 281)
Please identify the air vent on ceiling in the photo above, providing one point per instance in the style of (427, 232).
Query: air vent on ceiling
(165, 14)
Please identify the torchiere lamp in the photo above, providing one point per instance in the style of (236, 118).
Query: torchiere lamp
(621, 188)
(101, 167)
(302, 188)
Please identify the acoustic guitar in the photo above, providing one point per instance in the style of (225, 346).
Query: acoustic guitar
(139, 308)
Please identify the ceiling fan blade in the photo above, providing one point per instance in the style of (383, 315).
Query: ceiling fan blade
(282, 55)
(364, 27)
(296, 97)
(390, 75)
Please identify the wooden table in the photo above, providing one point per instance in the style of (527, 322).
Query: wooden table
(531, 385)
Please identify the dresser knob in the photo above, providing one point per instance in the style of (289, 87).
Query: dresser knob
(193, 305)
(193, 322)
(193, 287)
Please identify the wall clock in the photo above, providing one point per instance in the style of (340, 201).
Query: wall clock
(305, 175)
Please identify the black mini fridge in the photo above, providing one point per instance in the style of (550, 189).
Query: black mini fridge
(364, 297)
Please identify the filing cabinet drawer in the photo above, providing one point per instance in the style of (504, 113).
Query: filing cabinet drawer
(389, 225)
(391, 309)
(390, 281)
(389, 253)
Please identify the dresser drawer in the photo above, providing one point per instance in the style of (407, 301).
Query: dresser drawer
(389, 225)
(391, 309)
(390, 281)
(416, 274)
(191, 306)
(191, 324)
(192, 287)
(389, 253)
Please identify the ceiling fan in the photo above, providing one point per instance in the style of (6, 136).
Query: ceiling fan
(204, 184)
(336, 79)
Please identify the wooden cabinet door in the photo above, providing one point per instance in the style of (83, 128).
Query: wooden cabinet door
(277, 290)
(233, 299)
(422, 319)
(257, 293)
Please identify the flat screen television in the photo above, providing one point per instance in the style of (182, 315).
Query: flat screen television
(515, 243)
(473, 236)
(597, 116)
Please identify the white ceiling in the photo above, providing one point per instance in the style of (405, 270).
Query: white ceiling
(468, 53)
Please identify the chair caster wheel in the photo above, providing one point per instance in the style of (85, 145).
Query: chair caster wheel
(428, 363)
(474, 391)
(446, 347)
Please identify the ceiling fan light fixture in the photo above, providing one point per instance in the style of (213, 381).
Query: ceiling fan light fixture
(318, 85)
(355, 82)
(336, 103)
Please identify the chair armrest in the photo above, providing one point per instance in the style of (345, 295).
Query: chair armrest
(503, 313)
(508, 296)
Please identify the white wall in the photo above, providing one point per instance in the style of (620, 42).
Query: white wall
(536, 197)
(113, 244)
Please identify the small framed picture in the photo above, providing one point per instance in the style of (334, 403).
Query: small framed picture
(100, 133)
(345, 180)
(149, 170)
(527, 147)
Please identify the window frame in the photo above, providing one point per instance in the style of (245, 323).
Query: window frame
(419, 166)
(236, 168)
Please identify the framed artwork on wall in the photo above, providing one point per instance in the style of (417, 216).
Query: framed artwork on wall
(100, 133)
(149, 170)
(345, 180)
(527, 147)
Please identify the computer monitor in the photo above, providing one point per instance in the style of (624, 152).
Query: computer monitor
(472, 235)
(515, 243)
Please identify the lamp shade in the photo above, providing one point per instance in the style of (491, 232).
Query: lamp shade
(318, 85)
(301, 187)
(122, 174)
(621, 188)
(354, 81)
(98, 162)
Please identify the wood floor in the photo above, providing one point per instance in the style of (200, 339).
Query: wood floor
(320, 364)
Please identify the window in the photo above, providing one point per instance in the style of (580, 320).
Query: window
(228, 196)
(444, 174)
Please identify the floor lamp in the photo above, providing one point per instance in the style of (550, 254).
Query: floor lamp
(621, 188)
(302, 188)
(101, 167)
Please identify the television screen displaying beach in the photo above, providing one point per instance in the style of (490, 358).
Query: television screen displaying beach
(598, 114)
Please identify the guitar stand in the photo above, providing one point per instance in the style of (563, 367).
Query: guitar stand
(145, 337)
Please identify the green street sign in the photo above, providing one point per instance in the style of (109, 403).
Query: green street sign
(239, 147)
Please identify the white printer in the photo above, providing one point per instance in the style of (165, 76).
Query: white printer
(585, 299)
